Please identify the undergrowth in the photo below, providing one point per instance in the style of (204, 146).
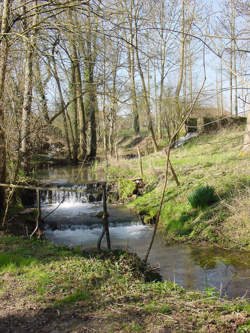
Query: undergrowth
(43, 287)
(213, 162)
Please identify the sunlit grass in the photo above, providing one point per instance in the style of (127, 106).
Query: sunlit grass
(209, 160)
(108, 288)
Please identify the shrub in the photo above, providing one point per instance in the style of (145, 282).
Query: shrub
(126, 188)
(202, 196)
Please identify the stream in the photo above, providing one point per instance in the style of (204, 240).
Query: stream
(72, 219)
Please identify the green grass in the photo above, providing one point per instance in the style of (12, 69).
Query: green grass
(202, 197)
(15, 262)
(106, 291)
(155, 307)
(78, 295)
(213, 160)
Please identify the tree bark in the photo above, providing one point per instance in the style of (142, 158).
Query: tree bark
(246, 144)
(131, 69)
(3, 65)
(41, 90)
(163, 63)
(90, 100)
(104, 115)
(145, 93)
(73, 93)
(182, 59)
(62, 103)
(80, 149)
(27, 94)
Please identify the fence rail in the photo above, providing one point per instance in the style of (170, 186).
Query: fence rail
(46, 188)
(38, 189)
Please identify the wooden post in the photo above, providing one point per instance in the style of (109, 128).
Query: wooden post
(50, 197)
(100, 240)
(140, 161)
(38, 219)
(116, 152)
(105, 215)
(105, 221)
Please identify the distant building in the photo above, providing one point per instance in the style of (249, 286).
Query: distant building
(209, 112)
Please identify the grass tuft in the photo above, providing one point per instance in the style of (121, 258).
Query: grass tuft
(202, 197)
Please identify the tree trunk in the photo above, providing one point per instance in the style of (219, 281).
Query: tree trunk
(163, 63)
(41, 90)
(3, 64)
(182, 59)
(62, 103)
(27, 94)
(131, 69)
(73, 93)
(221, 89)
(246, 145)
(90, 107)
(79, 113)
(231, 58)
(90, 100)
(104, 115)
(190, 71)
(148, 112)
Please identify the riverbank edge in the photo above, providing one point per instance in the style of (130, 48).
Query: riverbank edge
(213, 159)
(130, 197)
(44, 286)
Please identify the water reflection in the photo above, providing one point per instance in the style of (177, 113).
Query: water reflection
(77, 174)
(76, 222)
(191, 267)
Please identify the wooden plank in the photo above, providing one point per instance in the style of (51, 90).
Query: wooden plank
(45, 188)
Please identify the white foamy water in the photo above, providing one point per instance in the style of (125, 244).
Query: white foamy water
(76, 222)
(73, 204)
(121, 235)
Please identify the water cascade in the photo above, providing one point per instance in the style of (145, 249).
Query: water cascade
(75, 219)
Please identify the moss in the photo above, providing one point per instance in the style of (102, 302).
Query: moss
(126, 188)
(212, 159)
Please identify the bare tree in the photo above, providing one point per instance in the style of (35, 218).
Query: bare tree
(3, 63)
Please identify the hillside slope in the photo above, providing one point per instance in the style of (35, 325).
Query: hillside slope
(214, 159)
(51, 289)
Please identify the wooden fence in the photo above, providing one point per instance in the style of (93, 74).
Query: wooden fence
(38, 190)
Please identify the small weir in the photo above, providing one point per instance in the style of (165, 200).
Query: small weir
(75, 219)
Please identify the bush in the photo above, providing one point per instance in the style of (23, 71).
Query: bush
(202, 196)
(126, 188)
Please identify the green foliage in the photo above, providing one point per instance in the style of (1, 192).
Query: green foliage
(115, 173)
(126, 188)
(179, 228)
(211, 292)
(157, 308)
(86, 282)
(15, 262)
(202, 196)
(244, 328)
(79, 295)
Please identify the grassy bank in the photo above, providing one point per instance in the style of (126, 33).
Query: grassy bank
(44, 288)
(212, 159)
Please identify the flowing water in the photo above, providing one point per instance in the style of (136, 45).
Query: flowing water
(72, 219)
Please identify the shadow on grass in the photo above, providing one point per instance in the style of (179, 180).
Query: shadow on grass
(18, 252)
(182, 226)
(42, 320)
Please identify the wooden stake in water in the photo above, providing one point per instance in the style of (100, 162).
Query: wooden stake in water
(38, 219)
(140, 161)
(105, 220)
(105, 216)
